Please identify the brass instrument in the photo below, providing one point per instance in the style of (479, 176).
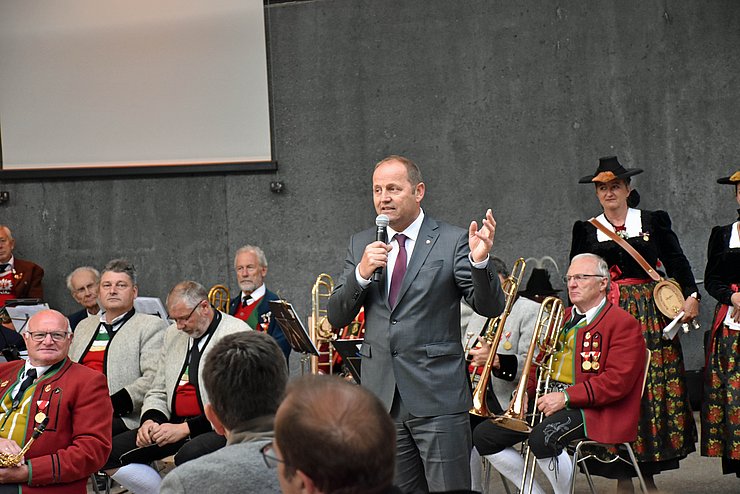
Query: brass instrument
(493, 337)
(218, 296)
(7, 460)
(319, 329)
(545, 337)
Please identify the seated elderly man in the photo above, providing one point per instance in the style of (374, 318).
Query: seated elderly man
(250, 362)
(320, 415)
(121, 343)
(173, 418)
(595, 383)
(71, 399)
(18, 278)
(83, 284)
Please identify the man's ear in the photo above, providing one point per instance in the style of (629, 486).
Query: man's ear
(214, 420)
(308, 485)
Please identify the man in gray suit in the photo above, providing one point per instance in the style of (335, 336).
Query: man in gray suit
(412, 357)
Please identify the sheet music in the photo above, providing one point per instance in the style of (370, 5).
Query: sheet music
(292, 326)
(21, 313)
(152, 306)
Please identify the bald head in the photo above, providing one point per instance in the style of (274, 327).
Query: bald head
(48, 338)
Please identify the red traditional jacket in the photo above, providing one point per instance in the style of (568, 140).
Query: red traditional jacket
(77, 440)
(608, 396)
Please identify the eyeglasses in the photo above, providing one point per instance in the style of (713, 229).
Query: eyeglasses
(119, 286)
(580, 278)
(183, 319)
(41, 335)
(87, 288)
(271, 460)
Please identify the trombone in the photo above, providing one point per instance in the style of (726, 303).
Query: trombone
(545, 337)
(493, 337)
(320, 330)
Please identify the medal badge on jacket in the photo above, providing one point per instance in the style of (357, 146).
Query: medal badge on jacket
(264, 323)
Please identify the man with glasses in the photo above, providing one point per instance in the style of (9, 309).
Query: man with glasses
(121, 343)
(173, 420)
(251, 363)
(595, 383)
(355, 433)
(71, 400)
(83, 284)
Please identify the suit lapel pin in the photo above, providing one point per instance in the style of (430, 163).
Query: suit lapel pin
(428, 242)
(47, 388)
(3, 384)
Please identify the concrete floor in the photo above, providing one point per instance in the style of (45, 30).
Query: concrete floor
(697, 475)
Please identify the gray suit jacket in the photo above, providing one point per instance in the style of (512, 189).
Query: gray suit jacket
(416, 346)
(130, 359)
(172, 357)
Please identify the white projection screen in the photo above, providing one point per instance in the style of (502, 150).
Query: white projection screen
(96, 87)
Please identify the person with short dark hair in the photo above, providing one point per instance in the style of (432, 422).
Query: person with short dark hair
(412, 356)
(245, 376)
(120, 343)
(332, 436)
(173, 419)
(506, 366)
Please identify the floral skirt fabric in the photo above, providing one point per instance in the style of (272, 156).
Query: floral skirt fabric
(720, 414)
(666, 431)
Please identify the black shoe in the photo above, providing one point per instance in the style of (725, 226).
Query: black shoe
(102, 481)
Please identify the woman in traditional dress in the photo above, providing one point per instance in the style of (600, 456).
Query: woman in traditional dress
(666, 431)
(720, 413)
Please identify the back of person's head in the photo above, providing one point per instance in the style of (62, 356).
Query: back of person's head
(337, 434)
(245, 375)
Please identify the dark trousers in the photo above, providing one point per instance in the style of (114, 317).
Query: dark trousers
(185, 450)
(432, 453)
(547, 439)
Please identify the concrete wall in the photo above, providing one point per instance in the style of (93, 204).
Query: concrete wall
(504, 104)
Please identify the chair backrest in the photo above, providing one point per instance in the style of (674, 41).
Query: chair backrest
(218, 296)
(647, 367)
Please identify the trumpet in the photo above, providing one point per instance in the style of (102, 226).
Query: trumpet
(545, 337)
(493, 337)
(8, 460)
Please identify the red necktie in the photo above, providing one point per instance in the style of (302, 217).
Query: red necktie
(399, 270)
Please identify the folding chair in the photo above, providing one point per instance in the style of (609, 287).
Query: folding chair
(578, 459)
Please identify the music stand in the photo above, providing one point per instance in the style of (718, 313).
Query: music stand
(349, 350)
(20, 311)
(152, 306)
(294, 330)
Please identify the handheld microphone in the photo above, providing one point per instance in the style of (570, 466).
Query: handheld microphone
(381, 222)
